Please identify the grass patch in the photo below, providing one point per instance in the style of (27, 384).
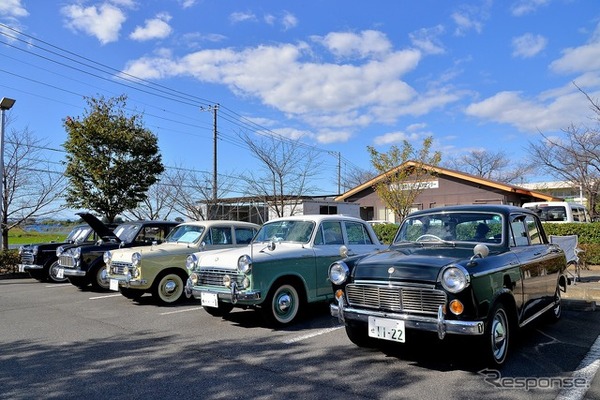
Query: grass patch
(18, 236)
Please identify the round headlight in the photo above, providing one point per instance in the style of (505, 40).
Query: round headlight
(136, 258)
(455, 278)
(194, 278)
(338, 272)
(107, 257)
(191, 262)
(245, 264)
(77, 252)
(59, 251)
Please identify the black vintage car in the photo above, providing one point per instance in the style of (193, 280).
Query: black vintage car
(83, 264)
(478, 270)
(40, 259)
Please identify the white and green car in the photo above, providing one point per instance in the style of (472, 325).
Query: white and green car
(284, 268)
(160, 269)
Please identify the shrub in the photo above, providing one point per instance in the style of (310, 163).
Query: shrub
(9, 259)
(588, 237)
(385, 232)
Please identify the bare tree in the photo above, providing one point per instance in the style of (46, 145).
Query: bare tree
(575, 157)
(284, 175)
(32, 185)
(355, 176)
(158, 204)
(491, 165)
(404, 176)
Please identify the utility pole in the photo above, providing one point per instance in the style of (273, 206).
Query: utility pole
(214, 109)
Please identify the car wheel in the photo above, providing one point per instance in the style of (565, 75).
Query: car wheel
(100, 280)
(53, 274)
(132, 294)
(358, 335)
(38, 275)
(555, 312)
(220, 311)
(497, 336)
(78, 281)
(168, 289)
(282, 305)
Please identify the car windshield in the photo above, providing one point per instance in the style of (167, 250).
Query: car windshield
(550, 213)
(286, 231)
(127, 232)
(451, 227)
(79, 234)
(185, 234)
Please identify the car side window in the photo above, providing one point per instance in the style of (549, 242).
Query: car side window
(219, 235)
(244, 235)
(533, 229)
(357, 233)
(330, 232)
(518, 232)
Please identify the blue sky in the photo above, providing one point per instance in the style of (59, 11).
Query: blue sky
(340, 75)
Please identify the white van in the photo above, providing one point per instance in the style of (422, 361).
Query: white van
(559, 211)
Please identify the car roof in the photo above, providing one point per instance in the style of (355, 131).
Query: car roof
(497, 208)
(210, 223)
(318, 218)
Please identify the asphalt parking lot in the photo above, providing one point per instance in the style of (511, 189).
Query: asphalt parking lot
(61, 342)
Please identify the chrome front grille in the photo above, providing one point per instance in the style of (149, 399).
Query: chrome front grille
(66, 261)
(27, 257)
(118, 267)
(396, 298)
(214, 276)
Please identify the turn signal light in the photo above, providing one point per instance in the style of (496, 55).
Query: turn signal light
(456, 307)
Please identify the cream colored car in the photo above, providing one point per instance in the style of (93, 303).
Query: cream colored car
(160, 269)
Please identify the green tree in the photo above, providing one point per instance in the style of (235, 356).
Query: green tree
(112, 160)
(404, 174)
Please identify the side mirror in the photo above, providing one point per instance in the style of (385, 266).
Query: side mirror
(343, 251)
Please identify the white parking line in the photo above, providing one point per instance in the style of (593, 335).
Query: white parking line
(105, 297)
(586, 371)
(180, 311)
(59, 285)
(310, 335)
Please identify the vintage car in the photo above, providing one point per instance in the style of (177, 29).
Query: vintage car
(283, 268)
(40, 259)
(476, 270)
(160, 269)
(83, 264)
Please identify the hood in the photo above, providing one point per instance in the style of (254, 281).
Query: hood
(153, 251)
(419, 265)
(259, 252)
(99, 227)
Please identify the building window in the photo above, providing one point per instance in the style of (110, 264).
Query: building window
(328, 210)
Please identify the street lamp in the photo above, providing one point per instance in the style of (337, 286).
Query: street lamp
(5, 104)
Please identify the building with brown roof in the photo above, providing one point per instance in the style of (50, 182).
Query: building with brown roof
(442, 187)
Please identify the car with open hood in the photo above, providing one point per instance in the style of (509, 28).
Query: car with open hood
(480, 271)
(283, 269)
(83, 264)
(160, 269)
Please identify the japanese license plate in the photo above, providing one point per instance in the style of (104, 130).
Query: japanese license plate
(114, 285)
(60, 273)
(388, 329)
(209, 299)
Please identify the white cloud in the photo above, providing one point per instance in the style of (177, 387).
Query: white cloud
(470, 17)
(427, 40)
(289, 21)
(187, 3)
(242, 17)
(347, 44)
(395, 137)
(103, 22)
(156, 28)
(528, 45)
(524, 7)
(328, 96)
(12, 9)
(580, 59)
(531, 115)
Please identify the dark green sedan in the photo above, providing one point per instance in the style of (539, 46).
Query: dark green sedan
(477, 270)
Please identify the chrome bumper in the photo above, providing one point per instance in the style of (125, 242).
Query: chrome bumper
(233, 296)
(128, 282)
(72, 272)
(29, 267)
(430, 324)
